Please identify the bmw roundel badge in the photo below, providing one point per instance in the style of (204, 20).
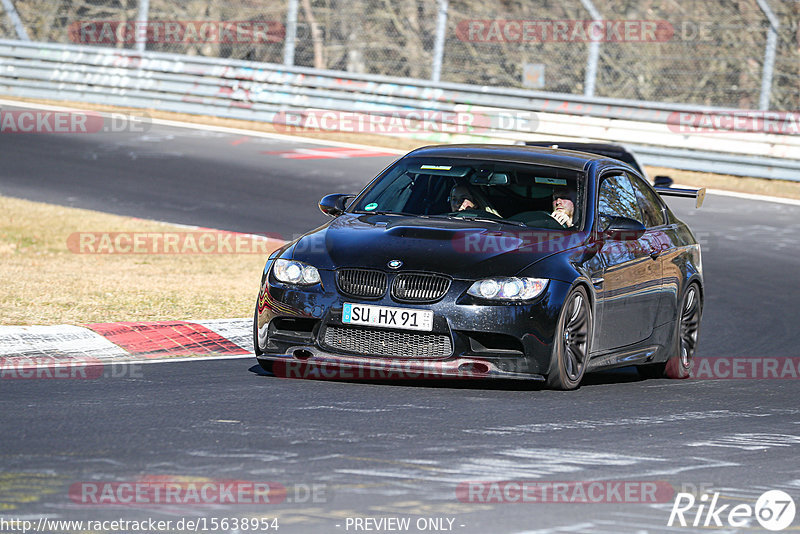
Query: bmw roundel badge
(395, 264)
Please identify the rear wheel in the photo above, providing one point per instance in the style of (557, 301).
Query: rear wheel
(679, 365)
(571, 345)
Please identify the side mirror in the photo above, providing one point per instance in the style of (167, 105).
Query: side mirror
(623, 229)
(663, 181)
(334, 205)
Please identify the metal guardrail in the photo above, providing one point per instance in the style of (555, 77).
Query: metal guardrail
(264, 92)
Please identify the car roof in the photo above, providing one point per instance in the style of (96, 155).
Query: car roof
(557, 157)
(609, 150)
(594, 148)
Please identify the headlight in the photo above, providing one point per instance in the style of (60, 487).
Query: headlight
(508, 288)
(295, 272)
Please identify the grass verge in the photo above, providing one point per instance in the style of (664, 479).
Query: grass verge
(44, 282)
(741, 184)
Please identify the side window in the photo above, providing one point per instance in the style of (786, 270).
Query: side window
(617, 199)
(652, 208)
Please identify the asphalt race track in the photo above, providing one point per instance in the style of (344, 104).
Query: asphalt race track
(195, 177)
(380, 450)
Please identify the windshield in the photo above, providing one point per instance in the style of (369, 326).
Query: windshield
(522, 194)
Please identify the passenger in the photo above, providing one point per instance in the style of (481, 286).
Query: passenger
(563, 206)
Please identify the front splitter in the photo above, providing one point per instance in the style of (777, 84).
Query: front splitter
(305, 361)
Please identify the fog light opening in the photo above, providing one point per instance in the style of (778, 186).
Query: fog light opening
(473, 368)
(303, 354)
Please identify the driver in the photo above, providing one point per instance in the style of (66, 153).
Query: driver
(461, 199)
(563, 206)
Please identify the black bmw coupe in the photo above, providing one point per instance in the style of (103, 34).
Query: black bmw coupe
(487, 261)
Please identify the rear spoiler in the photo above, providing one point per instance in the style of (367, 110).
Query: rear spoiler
(663, 187)
(699, 194)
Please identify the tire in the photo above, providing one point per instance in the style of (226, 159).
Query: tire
(266, 365)
(572, 342)
(679, 364)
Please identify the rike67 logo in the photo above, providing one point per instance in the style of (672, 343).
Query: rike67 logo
(774, 510)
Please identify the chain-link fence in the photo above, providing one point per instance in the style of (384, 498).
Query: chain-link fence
(742, 54)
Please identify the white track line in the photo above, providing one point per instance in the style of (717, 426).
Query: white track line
(746, 196)
(751, 196)
(186, 359)
(314, 141)
(57, 364)
(269, 135)
(210, 127)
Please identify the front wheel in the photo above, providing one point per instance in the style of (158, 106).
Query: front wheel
(266, 365)
(572, 342)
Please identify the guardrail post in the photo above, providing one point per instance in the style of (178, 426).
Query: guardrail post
(769, 55)
(438, 47)
(11, 11)
(593, 57)
(141, 25)
(291, 34)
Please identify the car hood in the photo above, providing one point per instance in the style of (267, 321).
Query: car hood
(461, 249)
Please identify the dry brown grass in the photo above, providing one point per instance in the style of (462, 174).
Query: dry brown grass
(742, 184)
(45, 283)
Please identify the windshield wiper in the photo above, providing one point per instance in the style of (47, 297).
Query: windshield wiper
(378, 212)
(482, 219)
(502, 221)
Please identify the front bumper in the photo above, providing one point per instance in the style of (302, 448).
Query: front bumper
(306, 361)
(498, 340)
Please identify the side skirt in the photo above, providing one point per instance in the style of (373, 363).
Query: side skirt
(651, 350)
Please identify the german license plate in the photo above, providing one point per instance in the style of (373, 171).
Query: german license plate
(387, 317)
